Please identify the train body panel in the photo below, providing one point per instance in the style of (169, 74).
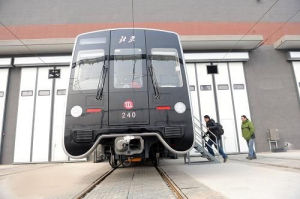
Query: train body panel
(128, 91)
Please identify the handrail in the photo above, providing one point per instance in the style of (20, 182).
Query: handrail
(216, 144)
(198, 127)
(197, 119)
(208, 137)
(201, 141)
(209, 131)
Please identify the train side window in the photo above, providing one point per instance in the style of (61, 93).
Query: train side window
(128, 71)
(88, 69)
(166, 67)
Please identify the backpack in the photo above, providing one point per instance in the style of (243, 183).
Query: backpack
(220, 129)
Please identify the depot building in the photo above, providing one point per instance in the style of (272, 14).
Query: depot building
(242, 58)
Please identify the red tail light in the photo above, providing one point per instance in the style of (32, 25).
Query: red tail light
(163, 108)
(93, 110)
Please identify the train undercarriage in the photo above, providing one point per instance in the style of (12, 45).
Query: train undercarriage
(128, 150)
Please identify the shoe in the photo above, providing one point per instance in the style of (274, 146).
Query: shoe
(225, 159)
(254, 157)
(249, 158)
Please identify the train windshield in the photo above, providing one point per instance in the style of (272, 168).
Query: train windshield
(88, 69)
(128, 68)
(166, 67)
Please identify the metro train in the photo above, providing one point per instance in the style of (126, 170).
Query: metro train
(128, 92)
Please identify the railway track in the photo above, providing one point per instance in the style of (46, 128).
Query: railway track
(88, 189)
(165, 180)
(176, 190)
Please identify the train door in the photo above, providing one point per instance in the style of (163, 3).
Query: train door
(128, 96)
(3, 87)
(220, 90)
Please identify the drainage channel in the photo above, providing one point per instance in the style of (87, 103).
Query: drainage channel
(133, 182)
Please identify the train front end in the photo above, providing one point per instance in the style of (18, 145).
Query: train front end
(128, 91)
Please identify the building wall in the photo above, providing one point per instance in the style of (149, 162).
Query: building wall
(45, 19)
(273, 96)
(15, 12)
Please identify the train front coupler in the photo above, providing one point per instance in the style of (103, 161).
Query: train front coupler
(129, 145)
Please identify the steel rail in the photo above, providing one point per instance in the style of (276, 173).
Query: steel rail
(88, 189)
(177, 191)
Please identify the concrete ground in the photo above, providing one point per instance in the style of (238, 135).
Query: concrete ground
(48, 181)
(272, 175)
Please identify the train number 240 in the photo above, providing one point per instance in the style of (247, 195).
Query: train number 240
(128, 115)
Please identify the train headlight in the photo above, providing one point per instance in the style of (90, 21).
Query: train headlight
(180, 107)
(76, 111)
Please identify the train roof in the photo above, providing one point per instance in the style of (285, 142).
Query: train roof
(103, 30)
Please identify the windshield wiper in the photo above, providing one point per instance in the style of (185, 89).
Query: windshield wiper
(100, 87)
(154, 81)
(88, 61)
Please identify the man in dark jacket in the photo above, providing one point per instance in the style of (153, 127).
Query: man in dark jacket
(215, 137)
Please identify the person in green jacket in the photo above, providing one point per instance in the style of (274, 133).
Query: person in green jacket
(249, 136)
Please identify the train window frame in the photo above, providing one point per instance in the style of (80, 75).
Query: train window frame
(171, 52)
(134, 52)
(98, 53)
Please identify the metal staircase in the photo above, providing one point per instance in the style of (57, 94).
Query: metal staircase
(200, 144)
